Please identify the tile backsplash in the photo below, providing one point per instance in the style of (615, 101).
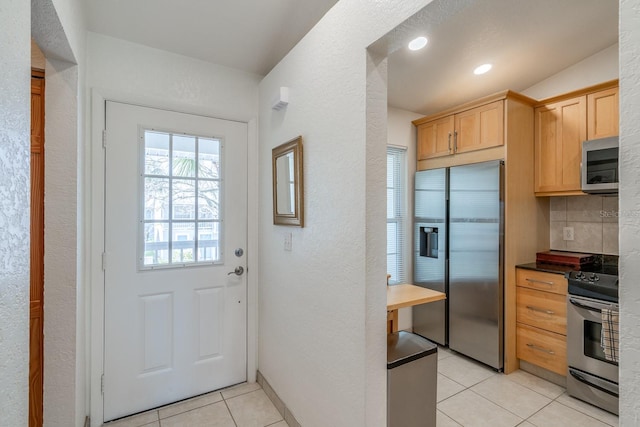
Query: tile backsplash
(594, 220)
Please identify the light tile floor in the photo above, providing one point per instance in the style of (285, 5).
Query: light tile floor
(245, 405)
(472, 395)
(469, 395)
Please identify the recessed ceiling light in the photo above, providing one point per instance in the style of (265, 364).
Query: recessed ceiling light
(482, 69)
(418, 43)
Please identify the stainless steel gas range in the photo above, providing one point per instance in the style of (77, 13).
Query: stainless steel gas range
(592, 308)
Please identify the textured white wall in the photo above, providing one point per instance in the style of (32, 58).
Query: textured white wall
(629, 220)
(72, 16)
(14, 211)
(402, 133)
(63, 327)
(131, 72)
(598, 68)
(58, 26)
(322, 305)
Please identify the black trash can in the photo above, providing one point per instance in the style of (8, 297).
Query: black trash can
(412, 373)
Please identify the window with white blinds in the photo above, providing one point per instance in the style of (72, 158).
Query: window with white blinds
(396, 214)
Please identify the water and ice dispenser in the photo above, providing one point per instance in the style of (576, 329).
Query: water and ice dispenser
(429, 242)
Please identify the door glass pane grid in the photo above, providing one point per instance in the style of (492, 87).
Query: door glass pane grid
(181, 204)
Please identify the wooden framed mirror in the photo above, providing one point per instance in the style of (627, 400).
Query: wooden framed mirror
(288, 188)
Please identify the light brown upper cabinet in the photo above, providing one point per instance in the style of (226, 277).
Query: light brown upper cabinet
(479, 128)
(560, 128)
(468, 130)
(562, 123)
(435, 138)
(602, 114)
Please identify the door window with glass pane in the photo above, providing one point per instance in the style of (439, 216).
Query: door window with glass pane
(181, 199)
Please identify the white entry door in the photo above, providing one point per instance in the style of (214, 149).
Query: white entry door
(175, 235)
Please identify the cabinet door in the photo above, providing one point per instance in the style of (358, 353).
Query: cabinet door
(435, 138)
(560, 129)
(602, 114)
(480, 127)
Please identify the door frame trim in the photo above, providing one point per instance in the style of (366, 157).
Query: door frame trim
(95, 213)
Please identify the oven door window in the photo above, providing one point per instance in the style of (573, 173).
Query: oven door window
(592, 341)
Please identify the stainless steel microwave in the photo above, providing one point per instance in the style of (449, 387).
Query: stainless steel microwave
(599, 167)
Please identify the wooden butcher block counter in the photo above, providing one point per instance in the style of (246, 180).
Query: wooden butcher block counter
(406, 295)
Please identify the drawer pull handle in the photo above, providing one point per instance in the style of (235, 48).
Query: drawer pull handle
(544, 350)
(540, 281)
(540, 310)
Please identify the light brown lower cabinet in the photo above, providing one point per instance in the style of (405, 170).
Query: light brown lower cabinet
(541, 315)
(542, 310)
(542, 348)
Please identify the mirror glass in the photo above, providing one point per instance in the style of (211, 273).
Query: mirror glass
(288, 205)
(286, 182)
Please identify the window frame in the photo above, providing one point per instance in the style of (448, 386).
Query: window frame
(400, 218)
(196, 221)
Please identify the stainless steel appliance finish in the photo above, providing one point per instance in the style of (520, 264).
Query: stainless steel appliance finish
(461, 208)
(412, 374)
(599, 168)
(591, 376)
(430, 266)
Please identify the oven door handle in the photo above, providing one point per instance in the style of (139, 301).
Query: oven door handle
(588, 306)
(599, 385)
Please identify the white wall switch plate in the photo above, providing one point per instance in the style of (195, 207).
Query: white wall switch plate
(567, 233)
(287, 242)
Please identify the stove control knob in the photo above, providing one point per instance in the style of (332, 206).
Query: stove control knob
(594, 277)
(580, 275)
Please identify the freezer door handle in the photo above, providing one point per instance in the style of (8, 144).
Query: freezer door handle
(429, 242)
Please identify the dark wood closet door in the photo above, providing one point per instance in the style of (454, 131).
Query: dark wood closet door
(36, 347)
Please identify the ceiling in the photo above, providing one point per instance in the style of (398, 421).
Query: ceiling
(250, 35)
(525, 40)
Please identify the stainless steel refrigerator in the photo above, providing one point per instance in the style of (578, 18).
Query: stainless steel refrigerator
(459, 233)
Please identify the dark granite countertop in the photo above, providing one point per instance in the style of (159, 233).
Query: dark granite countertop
(604, 264)
(547, 268)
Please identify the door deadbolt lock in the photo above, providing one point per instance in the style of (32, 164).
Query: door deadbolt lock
(239, 252)
(238, 271)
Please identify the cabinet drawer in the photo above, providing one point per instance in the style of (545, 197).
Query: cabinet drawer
(541, 348)
(543, 310)
(542, 281)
